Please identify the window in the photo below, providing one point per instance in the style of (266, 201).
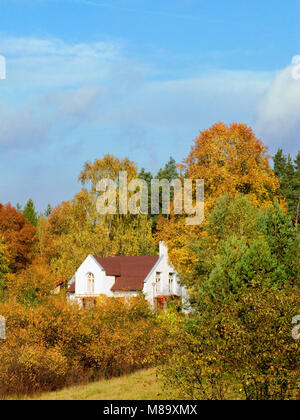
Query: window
(157, 282)
(90, 283)
(88, 303)
(171, 283)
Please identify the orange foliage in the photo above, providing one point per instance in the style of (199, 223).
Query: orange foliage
(32, 284)
(56, 344)
(19, 237)
(232, 161)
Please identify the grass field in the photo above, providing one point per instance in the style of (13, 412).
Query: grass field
(142, 385)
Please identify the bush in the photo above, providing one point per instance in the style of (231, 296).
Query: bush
(55, 344)
(246, 341)
(33, 369)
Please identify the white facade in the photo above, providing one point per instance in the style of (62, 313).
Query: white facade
(91, 281)
(158, 282)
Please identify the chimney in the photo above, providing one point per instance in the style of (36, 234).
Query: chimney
(163, 250)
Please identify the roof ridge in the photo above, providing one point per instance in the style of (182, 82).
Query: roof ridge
(130, 270)
(128, 256)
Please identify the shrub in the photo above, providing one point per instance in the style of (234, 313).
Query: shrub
(247, 340)
(54, 344)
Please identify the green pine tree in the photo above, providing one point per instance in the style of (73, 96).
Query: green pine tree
(30, 212)
(48, 211)
(279, 163)
(289, 175)
(169, 172)
(19, 207)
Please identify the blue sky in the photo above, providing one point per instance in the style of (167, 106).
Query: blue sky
(137, 78)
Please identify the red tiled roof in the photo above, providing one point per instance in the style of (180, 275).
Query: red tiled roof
(130, 272)
(71, 289)
(61, 282)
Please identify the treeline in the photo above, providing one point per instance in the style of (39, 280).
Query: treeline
(286, 170)
(30, 212)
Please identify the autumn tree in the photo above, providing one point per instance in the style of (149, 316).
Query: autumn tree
(76, 229)
(129, 234)
(70, 234)
(108, 167)
(232, 161)
(19, 237)
(33, 284)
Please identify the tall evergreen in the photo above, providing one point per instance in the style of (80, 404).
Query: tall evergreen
(19, 207)
(169, 172)
(279, 163)
(30, 212)
(48, 211)
(289, 174)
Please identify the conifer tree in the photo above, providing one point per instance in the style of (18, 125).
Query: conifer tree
(30, 212)
(289, 175)
(48, 211)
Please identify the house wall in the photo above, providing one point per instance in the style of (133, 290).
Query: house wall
(164, 268)
(129, 293)
(103, 283)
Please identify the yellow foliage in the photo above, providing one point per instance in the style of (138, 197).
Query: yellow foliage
(232, 161)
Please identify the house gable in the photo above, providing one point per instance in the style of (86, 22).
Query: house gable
(163, 269)
(102, 282)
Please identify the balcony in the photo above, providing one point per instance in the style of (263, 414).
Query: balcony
(87, 295)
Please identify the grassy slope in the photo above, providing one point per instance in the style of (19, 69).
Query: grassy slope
(141, 385)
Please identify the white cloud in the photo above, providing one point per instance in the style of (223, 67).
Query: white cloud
(53, 86)
(66, 103)
(22, 127)
(278, 113)
(214, 96)
(73, 102)
(33, 47)
(34, 64)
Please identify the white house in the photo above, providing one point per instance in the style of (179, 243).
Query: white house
(125, 276)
